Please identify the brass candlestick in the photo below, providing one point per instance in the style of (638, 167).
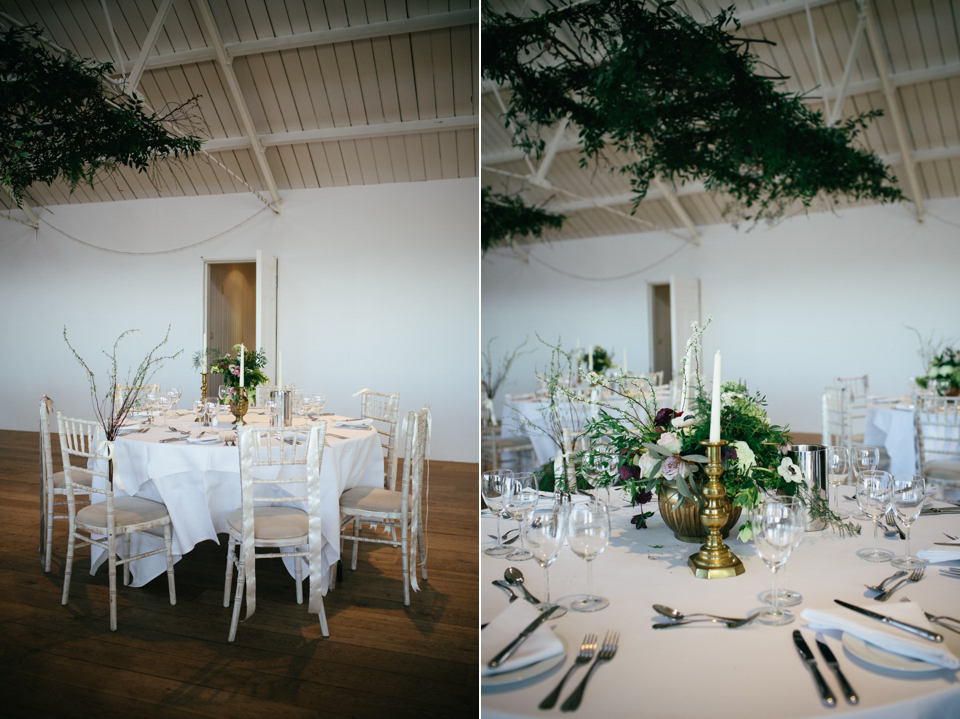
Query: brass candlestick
(239, 407)
(203, 390)
(715, 560)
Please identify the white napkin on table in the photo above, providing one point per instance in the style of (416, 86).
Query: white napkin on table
(897, 641)
(540, 645)
(128, 430)
(355, 424)
(939, 555)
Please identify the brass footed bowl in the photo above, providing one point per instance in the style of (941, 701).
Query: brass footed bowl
(682, 516)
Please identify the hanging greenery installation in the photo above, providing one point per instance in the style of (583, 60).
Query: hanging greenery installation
(677, 99)
(63, 117)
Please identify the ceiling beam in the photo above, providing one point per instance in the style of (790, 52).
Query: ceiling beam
(240, 105)
(893, 105)
(779, 9)
(32, 219)
(140, 65)
(678, 209)
(422, 23)
(350, 132)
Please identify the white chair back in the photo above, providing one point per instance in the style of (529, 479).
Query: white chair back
(384, 409)
(938, 436)
(835, 427)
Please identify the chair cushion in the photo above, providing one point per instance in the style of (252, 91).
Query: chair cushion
(127, 511)
(943, 469)
(79, 477)
(371, 501)
(273, 524)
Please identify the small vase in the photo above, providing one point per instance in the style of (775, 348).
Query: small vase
(239, 406)
(682, 516)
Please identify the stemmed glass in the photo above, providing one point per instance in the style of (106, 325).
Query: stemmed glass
(297, 402)
(272, 410)
(588, 531)
(838, 469)
(522, 498)
(174, 393)
(224, 392)
(150, 402)
(164, 402)
(543, 529)
(863, 459)
(493, 486)
(601, 470)
(198, 408)
(873, 496)
(909, 493)
(318, 401)
(778, 527)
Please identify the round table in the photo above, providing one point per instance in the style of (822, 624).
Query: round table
(200, 484)
(705, 670)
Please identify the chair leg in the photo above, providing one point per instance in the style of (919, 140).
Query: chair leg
(237, 601)
(48, 545)
(126, 565)
(228, 582)
(68, 569)
(356, 543)
(112, 575)
(422, 547)
(406, 568)
(298, 575)
(168, 543)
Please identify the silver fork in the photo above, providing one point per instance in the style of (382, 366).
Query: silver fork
(585, 654)
(915, 576)
(950, 536)
(607, 651)
(938, 619)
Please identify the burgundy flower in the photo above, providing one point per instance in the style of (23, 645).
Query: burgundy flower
(629, 471)
(728, 454)
(664, 416)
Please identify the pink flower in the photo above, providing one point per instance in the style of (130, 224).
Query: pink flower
(235, 369)
(674, 466)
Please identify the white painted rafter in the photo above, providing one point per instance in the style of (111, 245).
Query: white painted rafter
(847, 70)
(422, 23)
(350, 132)
(239, 103)
(32, 219)
(139, 66)
(678, 209)
(551, 150)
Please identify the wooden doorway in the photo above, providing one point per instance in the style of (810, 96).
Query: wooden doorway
(231, 313)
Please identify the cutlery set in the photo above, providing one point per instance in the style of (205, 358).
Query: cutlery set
(680, 619)
(806, 654)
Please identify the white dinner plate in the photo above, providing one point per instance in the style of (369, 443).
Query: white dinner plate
(872, 654)
(527, 672)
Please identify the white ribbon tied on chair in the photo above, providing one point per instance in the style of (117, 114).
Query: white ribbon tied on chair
(314, 449)
(105, 450)
(360, 392)
(247, 450)
(416, 511)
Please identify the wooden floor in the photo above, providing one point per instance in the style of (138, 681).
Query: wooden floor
(381, 660)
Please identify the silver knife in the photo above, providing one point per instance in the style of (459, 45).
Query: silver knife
(825, 694)
(832, 662)
(920, 631)
(507, 651)
(941, 510)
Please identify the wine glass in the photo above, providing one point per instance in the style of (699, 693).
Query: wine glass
(543, 529)
(164, 402)
(908, 494)
(296, 400)
(863, 459)
(213, 409)
(273, 410)
(601, 470)
(318, 401)
(224, 392)
(873, 496)
(198, 409)
(778, 526)
(838, 469)
(174, 393)
(522, 498)
(493, 485)
(588, 531)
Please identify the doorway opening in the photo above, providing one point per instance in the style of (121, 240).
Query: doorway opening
(661, 345)
(231, 316)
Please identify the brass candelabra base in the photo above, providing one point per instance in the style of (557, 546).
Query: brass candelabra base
(203, 389)
(714, 560)
(239, 407)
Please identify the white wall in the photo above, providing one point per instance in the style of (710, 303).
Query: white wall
(794, 306)
(377, 288)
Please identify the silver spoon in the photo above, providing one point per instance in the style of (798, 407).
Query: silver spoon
(505, 587)
(677, 614)
(514, 577)
(729, 623)
(880, 587)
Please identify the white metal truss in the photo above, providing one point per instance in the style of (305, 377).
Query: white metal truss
(239, 103)
(847, 70)
(674, 203)
(140, 65)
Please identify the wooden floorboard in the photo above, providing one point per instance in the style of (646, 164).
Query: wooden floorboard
(381, 658)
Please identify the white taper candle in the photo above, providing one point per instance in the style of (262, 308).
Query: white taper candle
(685, 399)
(715, 407)
(242, 353)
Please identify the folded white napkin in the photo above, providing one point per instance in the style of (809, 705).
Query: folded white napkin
(540, 645)
(883, 635)
(354, 423)
(939, 555)
(128, 430)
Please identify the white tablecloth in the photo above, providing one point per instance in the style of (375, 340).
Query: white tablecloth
(200, 485)
(702, 670)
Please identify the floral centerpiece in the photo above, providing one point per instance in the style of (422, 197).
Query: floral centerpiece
(602, 360)
(943, 373)
(229, 366)
(662, 449)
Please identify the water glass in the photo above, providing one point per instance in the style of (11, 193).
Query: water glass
(601, 469)
(908, 493)
(493, 486)
(873, 496)
(778, 527)
(838, 470)
(174, 393)
(273, 410)
(588, 532)
(521, 499)
(543, 529)
(198, 409)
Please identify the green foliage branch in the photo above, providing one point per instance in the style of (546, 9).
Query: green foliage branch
(61, 118)
(681, 99)
(504, 218)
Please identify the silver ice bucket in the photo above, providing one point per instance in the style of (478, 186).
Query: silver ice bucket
(283, 399)
(812, 460)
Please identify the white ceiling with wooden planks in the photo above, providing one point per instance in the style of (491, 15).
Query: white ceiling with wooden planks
(293, 93)
(905, 60)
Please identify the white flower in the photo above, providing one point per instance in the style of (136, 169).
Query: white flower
(745, 456)
(727, 398)
(646, 463)
(789, 471)
(685, 420)
(670, 442)
(673, 466)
